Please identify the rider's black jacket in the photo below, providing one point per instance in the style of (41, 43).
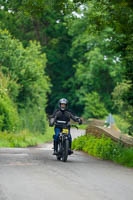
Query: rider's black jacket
(62, 115)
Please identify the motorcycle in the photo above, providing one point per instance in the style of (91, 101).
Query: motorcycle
(63, 142)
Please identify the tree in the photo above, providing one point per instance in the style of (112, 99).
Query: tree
(98, 64)
(88, 44)
(25, 68)
(93, 107)
(44, 21)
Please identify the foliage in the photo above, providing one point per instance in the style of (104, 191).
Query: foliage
(89, 47)
(26, 67)
(93, 107)
(28, 84)
(102, 52)
(105, 149)
(83, 126)
(9, 119)
(122, 123)
(8, 115)
(94, 51)
(120, 96)
(24, 138)
(33, 119)
(125, 157)
(43, 21)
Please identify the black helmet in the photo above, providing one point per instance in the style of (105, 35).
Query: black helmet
(62, 101)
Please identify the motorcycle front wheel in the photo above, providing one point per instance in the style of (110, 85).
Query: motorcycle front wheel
(59, 152)
(65, 150)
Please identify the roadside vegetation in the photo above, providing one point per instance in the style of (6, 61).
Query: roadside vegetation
(105, 148)
(122, 124)
(83, 126)
(25, 138)
(24, 86)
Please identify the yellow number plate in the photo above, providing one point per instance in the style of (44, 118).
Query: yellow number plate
(65, 131)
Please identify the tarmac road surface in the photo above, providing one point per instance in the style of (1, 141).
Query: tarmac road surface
(35, 174)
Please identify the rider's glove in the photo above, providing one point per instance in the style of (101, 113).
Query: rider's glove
(51, 123)
(80, 121)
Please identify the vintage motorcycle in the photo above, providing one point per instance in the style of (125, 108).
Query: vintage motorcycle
(63, 143)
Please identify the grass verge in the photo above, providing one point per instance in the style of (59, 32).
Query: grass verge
(105, 149)
(25, 138)
(83, 126)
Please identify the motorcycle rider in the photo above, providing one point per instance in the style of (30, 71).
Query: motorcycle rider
(62, 114)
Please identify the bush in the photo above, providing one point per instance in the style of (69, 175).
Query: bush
(122, 96)
(125, 157)
(33, 119)
(9, 119)
(122, 124)
(25, 138)
(79, 142)
(104, 148)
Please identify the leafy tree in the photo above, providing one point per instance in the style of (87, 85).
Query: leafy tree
(94, 108)
(94, 50)
(86, 52)
(44, 21)
(25, 68)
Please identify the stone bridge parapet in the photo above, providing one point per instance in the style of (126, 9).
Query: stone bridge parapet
(113, 133)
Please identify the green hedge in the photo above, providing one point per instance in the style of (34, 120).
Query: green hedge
(105, 149)
(9, 119)
(24, 85)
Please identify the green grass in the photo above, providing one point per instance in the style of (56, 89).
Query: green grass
(105, 149)
(25, 138)
(83, 126)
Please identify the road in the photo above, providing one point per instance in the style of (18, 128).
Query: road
(35, 174)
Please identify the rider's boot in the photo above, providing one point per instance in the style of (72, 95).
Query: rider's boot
(70, 145)
(55, 148)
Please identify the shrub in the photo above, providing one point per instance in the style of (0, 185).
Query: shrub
(79, 142)
(122, 124)
(33, 119)
(125, 157)
(24, 138)
(9, 119)
(105, 148)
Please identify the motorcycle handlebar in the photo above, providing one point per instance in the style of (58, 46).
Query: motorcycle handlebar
(63, 125)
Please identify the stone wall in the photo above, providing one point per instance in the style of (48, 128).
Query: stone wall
(95, 122)
(114, 134)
